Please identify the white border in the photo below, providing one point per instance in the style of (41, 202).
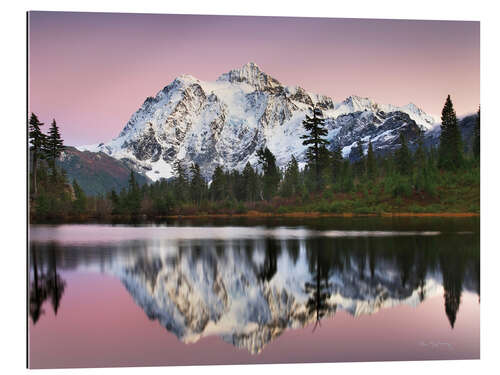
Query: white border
(13, 218)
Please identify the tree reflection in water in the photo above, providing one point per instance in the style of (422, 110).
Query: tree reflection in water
(46, 281)
(268, 284)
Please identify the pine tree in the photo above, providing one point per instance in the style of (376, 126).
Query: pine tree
(476, 147)
(336, 164)
(450, 145)
(53, 146)
(37, 141)
(271, 173)
(359, 159)
(424, 180)
(371, 163)
(291, 180)
(420, 154)
(315, 126)
(239, 189)
(133, 195)
(403, 157)
(181, 184)
(347, 177)
(324, 162)
(218, 185)
(115, 202)
(80, 202)
(250, 183)
(197, 184)
(229, 186)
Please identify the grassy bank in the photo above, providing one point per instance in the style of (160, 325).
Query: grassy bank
(451, 194)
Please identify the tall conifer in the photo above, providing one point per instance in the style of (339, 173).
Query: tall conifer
(53, 145)
(250, 183)
(197, 184)
(359, 157)
(371, 163)
(450, 141)
(271, 173)
(337, 161)
(217, 187)
(315, 140)
(291, 181)
(476, 147)
(403, 157)
(37, 141)
(181, 184)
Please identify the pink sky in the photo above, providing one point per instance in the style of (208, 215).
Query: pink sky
(91, 71)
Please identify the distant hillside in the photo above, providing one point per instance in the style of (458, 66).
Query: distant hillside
(96, 172)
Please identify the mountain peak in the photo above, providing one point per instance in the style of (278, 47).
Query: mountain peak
(251, 66)
(357, 103)
(186, 78)
(251, 74)
(226, 122)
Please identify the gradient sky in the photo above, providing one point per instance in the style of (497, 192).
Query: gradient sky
(91, 71)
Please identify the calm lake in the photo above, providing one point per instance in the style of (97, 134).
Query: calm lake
(253, 291)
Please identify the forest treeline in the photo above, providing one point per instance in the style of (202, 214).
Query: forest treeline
(442, 179)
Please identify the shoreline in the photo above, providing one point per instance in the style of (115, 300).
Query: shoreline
(263, 215)
(257, 214)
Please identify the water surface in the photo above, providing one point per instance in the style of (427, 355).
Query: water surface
(274, 291)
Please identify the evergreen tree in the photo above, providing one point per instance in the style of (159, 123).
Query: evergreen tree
(250, 183)
(197, 186)
(80, 202)
(359, 159)
(115, 202)
(133, 195)
(403, 157)
(315, 139)
(476, 147)
(181, 184)
(324, 162)
(347, 177)
(37, 141)
(271, 173)
(291, 180)
(53, 146)
(450, 140)
(424, 179)
(371, 163)
(217, 187)
(420, 154)
(336, 164)
(239, 188)
(232, 185)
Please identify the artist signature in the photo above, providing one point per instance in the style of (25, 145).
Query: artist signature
(436, 345)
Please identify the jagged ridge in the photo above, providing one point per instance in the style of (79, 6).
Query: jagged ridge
(226, 121)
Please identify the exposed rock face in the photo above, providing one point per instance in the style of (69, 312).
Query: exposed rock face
(226, 121)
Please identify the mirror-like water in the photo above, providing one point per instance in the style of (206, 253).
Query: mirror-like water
(273, 292)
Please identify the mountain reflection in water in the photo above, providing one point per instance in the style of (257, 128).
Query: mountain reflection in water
(249, 287)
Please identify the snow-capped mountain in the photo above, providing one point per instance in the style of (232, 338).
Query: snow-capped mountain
(226, 121)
